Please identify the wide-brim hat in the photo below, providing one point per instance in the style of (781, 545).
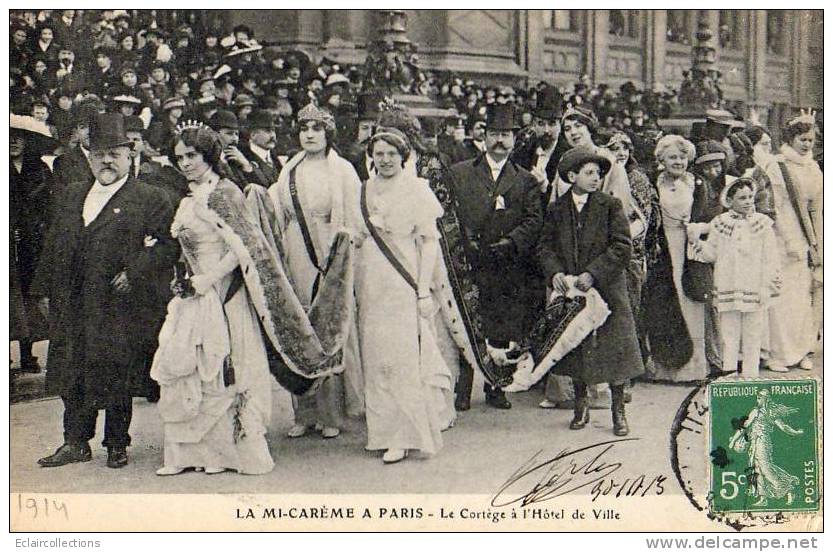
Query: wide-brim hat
(38, 135)
(260, 119)
(579, 156)
(173, 102)
(548, 105)
(239, 50)
(501, 117)
(126, 99)
(337, 78)
(107, 131)
(223, 119)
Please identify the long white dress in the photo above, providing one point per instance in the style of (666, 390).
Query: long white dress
(795, 317)
(329, 196)
(207, 423)
(405, 373)
(676, 198)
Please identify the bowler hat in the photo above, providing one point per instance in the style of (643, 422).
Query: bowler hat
(500, 117)
(548, 106)
(574, 159)
(260, 119)
(134, 124)
(107, 131)
(223, 119)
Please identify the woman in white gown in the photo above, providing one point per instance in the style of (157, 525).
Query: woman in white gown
(211, 363)
(405, 374)
(317, 194)
(795, 317)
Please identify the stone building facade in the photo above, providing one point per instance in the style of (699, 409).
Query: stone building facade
(771, 60)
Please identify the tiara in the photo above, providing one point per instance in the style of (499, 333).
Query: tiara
(188, 125)
(807, 116)
(583, 114)
(312, 112)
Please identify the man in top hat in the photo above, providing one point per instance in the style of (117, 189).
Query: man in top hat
(585, 242)
(236, 166)
(106, 250)
(539, 154)
(500, 210)
(368, 113)
(262, 147)
(74, 164)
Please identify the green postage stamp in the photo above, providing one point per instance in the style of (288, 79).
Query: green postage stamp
(764, 448)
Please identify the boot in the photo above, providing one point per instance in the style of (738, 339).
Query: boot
(581, 410)
(496, 398)
(462, 401)
(617, 407)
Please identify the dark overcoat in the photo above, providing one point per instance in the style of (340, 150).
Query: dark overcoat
(95, 332)
(267, 174)
(511, 290)
(597, 241)
(71, 166)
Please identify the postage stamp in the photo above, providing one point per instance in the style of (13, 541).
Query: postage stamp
(763, 445)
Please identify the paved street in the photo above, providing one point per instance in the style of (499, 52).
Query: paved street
(480, 453)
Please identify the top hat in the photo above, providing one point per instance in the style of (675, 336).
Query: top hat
(368, 105)
(548, 106)
(223, 119)
(500, 117)
(574, 159)
(260, 119)
(107, 131)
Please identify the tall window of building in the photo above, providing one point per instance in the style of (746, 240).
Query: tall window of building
(776, 31)
(561, 20)
(678, 26)
(729, 31)
(624, 23)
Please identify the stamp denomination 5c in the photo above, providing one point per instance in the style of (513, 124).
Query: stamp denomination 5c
(764, 446)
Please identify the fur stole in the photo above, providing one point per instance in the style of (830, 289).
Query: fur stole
(310, 344)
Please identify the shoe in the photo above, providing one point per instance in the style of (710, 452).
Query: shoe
(298, 430)
(617, 408)
(581, 407)
(214, 471)
(169, 470)
(330, 432)
(777, 368)
(461, 404)
(67, 454)
(806, 364)
(547, 404)
(116, 457)
(392, 456)
(497, 399)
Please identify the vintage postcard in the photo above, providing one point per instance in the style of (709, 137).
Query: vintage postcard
(416, 269)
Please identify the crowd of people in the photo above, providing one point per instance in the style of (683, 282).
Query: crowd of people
(195, 215)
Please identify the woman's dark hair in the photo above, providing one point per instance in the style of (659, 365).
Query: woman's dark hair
(755, 133)
(789, 132)
(392, 137)
(329, 134)
(203, 140)
(738, 185)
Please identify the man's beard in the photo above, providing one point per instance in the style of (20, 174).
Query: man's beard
(546, 141)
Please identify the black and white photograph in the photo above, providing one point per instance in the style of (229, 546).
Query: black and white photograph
(405, 269)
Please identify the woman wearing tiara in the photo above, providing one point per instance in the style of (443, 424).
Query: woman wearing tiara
(317, 194)
(211, 363)
(795, 318)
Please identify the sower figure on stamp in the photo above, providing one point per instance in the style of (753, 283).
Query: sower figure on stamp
(108, 244)
(499, 205)
(586, 235)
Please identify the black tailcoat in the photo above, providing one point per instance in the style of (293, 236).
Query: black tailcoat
(511, 291)
(96, 333)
